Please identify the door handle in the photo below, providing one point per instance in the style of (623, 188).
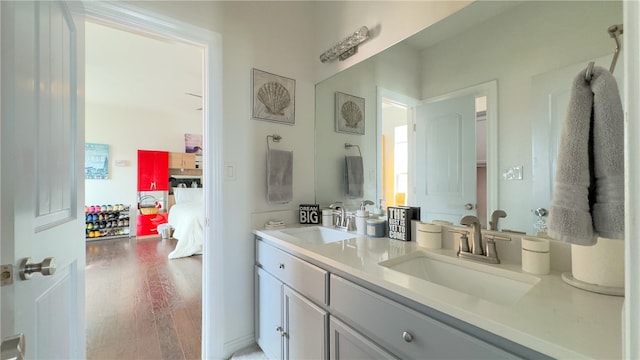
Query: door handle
(13, 348)
(28, 267)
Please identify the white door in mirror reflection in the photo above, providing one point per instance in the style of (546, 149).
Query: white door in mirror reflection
(446, 158)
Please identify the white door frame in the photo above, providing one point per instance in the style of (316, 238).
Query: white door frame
(138, 20)
(411, 103)
(631, 51)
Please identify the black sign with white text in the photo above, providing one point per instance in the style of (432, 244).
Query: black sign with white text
(309, 214)
(399, 220)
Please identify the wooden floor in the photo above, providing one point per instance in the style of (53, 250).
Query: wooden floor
(140, 304)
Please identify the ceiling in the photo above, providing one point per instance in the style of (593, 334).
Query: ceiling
(131, 70)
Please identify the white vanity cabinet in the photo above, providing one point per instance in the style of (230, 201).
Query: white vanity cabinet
(348, 344)
(402, 331)
(305, 312)
(289, 325)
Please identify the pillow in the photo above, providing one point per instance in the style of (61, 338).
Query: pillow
(185, 195)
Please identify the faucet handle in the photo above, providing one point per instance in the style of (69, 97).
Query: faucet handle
(496, 237)
(463, 241)
(490, 245)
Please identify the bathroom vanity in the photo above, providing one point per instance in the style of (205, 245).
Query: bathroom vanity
(322, 293)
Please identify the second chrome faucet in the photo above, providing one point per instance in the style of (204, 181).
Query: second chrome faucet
(476, 250)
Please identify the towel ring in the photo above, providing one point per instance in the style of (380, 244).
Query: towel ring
(347, 146)
(275, 138)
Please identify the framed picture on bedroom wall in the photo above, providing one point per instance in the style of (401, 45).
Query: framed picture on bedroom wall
(273, 98)
(193, 143)
(96, 161)
(349, 114)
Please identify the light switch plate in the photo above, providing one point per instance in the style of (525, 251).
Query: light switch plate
(512, 173)
(229, 171)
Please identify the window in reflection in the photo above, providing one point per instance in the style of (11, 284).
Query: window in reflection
(395, 152)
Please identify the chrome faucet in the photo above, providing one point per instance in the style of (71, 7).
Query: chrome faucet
(341, 216)
(495, 216)
(476, 251)
(476, 235)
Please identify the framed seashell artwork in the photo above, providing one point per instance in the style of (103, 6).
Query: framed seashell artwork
(349, 114)
(273, 97)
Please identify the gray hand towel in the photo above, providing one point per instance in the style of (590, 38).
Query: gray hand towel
(279, 176)
(588, 198)
(354, 176)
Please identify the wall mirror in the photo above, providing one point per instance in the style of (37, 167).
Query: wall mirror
(510, 44)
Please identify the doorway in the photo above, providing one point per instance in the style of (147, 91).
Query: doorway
(139, 95)
(137, 20)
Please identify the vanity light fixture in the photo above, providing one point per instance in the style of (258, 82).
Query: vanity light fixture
(346, 47)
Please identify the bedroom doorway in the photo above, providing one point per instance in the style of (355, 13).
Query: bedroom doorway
(138, 22)
(158, 313)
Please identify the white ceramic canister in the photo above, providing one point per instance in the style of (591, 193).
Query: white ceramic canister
(327, 217)
(536, 258)
(429, 235)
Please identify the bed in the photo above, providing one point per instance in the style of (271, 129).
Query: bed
(186, 217)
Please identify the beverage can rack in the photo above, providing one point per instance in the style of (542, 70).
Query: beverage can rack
(107, 221)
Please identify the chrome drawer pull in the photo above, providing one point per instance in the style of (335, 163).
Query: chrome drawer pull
(407, 337)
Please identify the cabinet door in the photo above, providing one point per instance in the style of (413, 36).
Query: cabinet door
(189, 161)
(306, 327)
(269, 328)
(153, 170)
(175, 160)
(182, 161)
(348, 344)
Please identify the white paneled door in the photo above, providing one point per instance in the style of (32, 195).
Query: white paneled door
(42, 181)
(446, 158)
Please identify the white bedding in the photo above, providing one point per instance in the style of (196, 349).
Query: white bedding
(188, 221)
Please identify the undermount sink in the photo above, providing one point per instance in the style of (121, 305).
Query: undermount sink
(318, 234)
(487, 282)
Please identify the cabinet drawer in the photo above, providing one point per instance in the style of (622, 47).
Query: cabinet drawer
(403, 331)
(307, 279)
(148, 224)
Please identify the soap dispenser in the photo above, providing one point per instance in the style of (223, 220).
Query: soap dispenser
(361, 217)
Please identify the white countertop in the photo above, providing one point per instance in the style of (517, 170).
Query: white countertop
(553, 318)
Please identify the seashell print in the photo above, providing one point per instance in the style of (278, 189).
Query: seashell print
(351, 113)
(275, 97)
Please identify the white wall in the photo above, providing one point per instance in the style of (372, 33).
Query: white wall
(135, 99)
(388, 23)
(128, 130)
(392, 71)
(283, 38)
(512, 48)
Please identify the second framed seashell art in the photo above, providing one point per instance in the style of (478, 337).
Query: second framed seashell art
(349, 114)
(273, 97)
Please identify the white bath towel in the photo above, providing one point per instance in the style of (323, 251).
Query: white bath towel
(279, 176)
(354, 176)
(588, 198)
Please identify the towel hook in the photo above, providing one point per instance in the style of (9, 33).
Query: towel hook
(614, 31)
(347, 146)
(275, 138)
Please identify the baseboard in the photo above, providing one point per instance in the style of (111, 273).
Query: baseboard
(232, 346)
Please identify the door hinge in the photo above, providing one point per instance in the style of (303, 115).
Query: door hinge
(6, 274)
(414, 127)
